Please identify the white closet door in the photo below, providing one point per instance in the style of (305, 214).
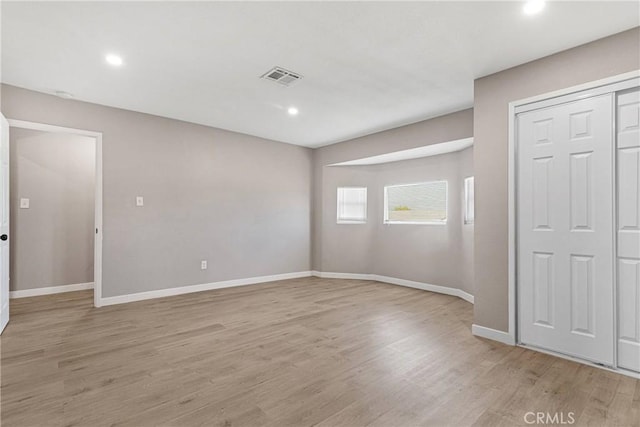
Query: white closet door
(628, 116)
(566, 228)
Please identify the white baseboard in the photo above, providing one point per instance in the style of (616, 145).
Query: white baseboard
(493, 334)
(425, 287)
(395, 281)
(350, 276)
(50, 290)
(140, 296)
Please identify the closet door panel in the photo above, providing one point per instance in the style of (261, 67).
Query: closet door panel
(566, 228)
(628, 228)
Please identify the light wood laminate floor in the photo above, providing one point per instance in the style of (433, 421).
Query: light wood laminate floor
(292, 353)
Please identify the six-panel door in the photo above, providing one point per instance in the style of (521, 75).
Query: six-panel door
(628, 151)
(565, 228)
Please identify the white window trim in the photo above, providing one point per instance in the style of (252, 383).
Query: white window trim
(345, 221)
(386, 220)
(467, 221)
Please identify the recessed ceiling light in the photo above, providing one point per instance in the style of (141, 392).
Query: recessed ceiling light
(531, 7)
(114, 60)
(292, 111)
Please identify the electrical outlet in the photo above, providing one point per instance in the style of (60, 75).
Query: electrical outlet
(139, 201)
(24, 203)
(203, 265)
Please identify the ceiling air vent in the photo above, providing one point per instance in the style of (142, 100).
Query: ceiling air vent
(282, 76)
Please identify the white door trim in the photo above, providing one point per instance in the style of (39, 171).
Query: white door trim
(513, 106)
(97, 261)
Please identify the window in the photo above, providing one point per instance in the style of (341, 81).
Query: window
(424, 203)
(469, 201)
(352, 205)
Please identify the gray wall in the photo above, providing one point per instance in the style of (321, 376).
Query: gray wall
(52, 241)
(348, 248)
(240, 202)
(433, 254)
(445, 128)
(603, 58)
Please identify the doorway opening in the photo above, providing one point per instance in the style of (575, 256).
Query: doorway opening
(56, 210)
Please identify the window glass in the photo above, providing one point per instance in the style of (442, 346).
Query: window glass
(352, 205)
(469, 198)
(423, 203)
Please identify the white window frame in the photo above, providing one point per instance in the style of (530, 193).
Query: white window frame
(386, 220)
(467, 220)
(338, 203)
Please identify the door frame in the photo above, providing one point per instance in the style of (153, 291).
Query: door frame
(593, 88)
(97, 251)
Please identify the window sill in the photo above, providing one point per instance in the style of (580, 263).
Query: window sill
(415, 223)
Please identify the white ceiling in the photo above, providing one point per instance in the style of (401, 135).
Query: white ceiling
(367, 66)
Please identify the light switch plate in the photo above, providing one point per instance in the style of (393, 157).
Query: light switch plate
(139, 201)
(24, 203)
